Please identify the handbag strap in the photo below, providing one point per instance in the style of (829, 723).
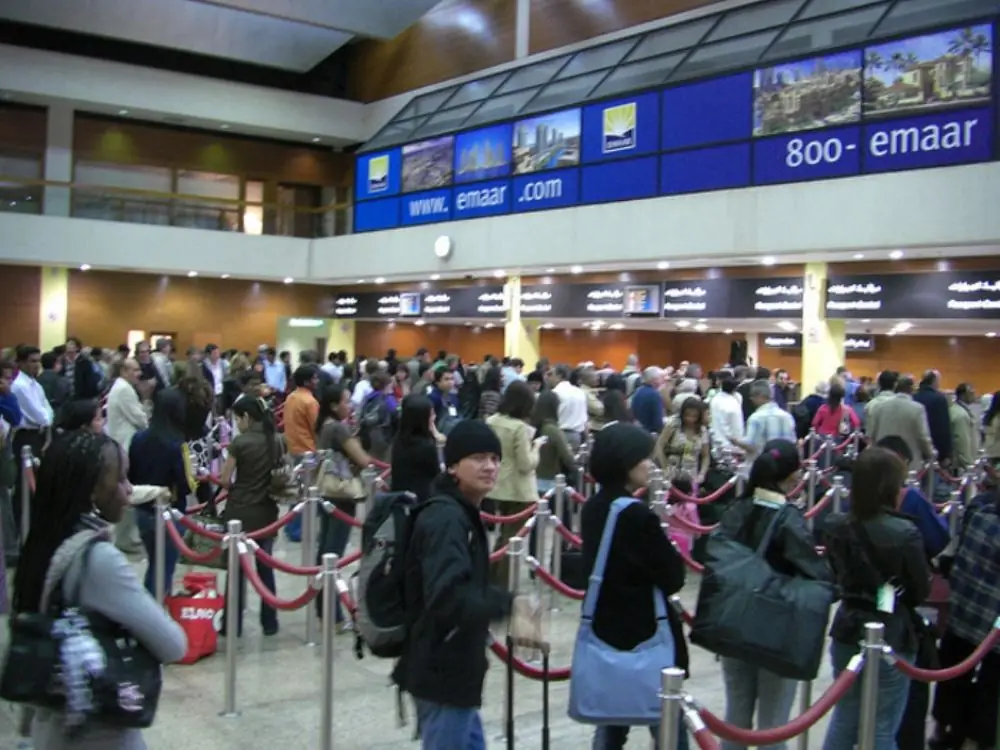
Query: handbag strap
(772, 529)
(597, 574)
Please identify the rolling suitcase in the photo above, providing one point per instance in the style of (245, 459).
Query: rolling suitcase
(509, 730)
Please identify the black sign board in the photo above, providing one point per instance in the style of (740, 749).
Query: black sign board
(590, 300)
(909, 296)
(733, 298)
(466, 302)
(783, 340)
(859, 343)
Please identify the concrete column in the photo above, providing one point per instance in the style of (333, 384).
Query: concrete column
(52, 307)
(822, 339)
(58, 159)
(342, 336)
(522, 29)
(753, 347)
(521, 338)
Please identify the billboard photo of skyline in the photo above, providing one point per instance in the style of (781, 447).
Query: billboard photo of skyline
(807, 94)
(428, 164)
(483, 154)
(547, 142)
(930, 72)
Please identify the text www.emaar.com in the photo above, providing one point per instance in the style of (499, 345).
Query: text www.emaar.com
(481, 198)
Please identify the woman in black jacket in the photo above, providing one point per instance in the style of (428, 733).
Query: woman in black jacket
(415, 461)
(775, 472)
(641, 557)
(880, 566)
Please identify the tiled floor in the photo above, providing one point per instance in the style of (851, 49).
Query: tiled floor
(278, 693)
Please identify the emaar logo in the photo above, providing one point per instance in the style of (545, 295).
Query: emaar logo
(378, 174)
(619, 133)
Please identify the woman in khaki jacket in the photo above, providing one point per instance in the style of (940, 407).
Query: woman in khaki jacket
(516, 486)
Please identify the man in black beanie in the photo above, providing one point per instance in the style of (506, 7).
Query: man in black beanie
(449, 599)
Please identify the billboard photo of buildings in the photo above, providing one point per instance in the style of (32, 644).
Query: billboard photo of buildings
(929, 72)
(547, 142)
(428, 164)
(807, 94)
(483, 154)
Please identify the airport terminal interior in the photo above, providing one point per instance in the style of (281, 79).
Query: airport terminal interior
(753, 244)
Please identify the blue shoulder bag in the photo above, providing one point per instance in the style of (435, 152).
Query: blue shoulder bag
(608, 686)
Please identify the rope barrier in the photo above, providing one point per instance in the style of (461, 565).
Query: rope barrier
(552, 582)
(187, 552)
(525, 669)
(686, 617)
(565, 533)
(274, 528)
(337, 513)
(949, 673)
(820, 506)
(29, 472)
(575, 496)
(197, 528)
(684, 525)
(762, 737)
(282, 566)
(711, 498)
(523, 515)
(697, 728)
(285, 605)
(953, 481)
(500, 554)
(693, 565)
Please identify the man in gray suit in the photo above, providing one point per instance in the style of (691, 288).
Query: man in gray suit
(905, 418)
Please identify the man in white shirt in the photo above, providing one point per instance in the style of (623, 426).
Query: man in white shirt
(214, 368)
(726, 408)
(36, 415)
(333, 367)
(125, 418)
(768, 422)
(364, 386)
(572, 405)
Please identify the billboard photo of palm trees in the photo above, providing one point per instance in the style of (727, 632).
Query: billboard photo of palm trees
(928, 73)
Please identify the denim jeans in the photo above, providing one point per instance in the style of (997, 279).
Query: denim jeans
(268, 615)
(449, 728)
(893, 689)
(334, 535)
(614, 738)
(146, 521)
(748, 688)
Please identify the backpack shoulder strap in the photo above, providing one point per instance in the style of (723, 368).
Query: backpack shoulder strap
(597, 575)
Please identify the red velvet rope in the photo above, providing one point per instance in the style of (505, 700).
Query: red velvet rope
(690, 526)
(285, 605)
(763, 737)
(347, 602)
(198, 529)
(686, 617)
(29, 472)
(502, 552)
(696, 726)
(685, 498)
(284, 567)
(337, 513)
(575, 496)
(190, 554)
(273, 528)
(523, 515)
(953, 481)
(820, 506)
(568, 535)
(693, 565)
(527, 670)
(951, 673)
(555, 584)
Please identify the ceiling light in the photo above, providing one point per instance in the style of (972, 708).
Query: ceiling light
(728, 331)
(904, 326)
(858, 256)
(991, 335)
(499, 273)
(786, 325)
(225, 275)
(316, 139)
(192, 274)
(663, 265)
(617, 326)
(379, 280)
(122, 112)
(361, 281)
(596, 324)
(701, 327)
(548, 325)
(224, 127)
(896, 255)
(418, 322)
(435, 276)
(488, 325)
(683, 324)
(702, 320)
(85, 267)
(866, 320)
(767, 260)
(550, 270)
(289, 279)
(576, 269)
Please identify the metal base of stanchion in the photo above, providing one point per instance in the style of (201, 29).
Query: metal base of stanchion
(233, 715)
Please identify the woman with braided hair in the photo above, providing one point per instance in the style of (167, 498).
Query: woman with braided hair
(82, 490)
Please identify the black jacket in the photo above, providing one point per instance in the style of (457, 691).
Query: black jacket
(415, 466)
(791, 551)
(449, 601)
(641, 558)
(935, 404)
(887, 549)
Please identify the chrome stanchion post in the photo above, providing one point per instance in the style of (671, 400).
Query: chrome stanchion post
(330, 595)
(932, 471)
(27, 468)
(369, 475)
(911, 479)
(659, 505)
(235, 545)
(309, 511)
(838, 493)
(543, 524)
(162, 505)
(811, 442)
(656, 479)
(515, 554)
(671, 697)
(811, 480)
(970, 487)
(805, 702)
(873, 647)
(560, 513)
(855, 444)
(828, 451)
(583, 459)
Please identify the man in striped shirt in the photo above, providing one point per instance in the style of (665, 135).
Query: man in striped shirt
(768, 422)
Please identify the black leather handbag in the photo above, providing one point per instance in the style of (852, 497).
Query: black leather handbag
(126, 693)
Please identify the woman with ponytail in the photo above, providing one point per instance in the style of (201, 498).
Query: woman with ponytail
(247, 476)
(775, 472)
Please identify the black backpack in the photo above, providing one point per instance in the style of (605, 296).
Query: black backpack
(803, 421)
(375, 423)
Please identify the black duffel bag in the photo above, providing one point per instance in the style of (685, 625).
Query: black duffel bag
(748, 611)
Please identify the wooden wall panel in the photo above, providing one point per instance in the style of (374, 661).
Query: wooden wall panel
(456, 38)
(22, 129)
(20, 290)
(123, 142)
(104, 306)
(469, 343)
(557, 23)
(960, 359)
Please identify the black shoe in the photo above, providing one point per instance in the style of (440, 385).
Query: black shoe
(270, 629)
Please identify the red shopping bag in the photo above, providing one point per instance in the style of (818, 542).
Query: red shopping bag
(198, 609)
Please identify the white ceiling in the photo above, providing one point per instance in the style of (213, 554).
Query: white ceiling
(293, 35)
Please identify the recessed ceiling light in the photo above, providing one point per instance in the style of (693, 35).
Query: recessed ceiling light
(379, 280)
(122, 112)
(499, 273)
(701, 327)
(435, 276)
(550, 270)
(488, 325)
(786, 325)
(617, 326)
(224, 127)
(858, 256)
(192, 274)
(991, 335)
(225, 275)
(361, 281)
(728, 331)
(767, 260)
(576, 269)
(548, 325)
(683, 324)
(866, 320)
(418, 322)
(663, 265)
(85, 267)
(596, 324)
(702, 320)
(289, 280)
(896, 254)
(317, 139)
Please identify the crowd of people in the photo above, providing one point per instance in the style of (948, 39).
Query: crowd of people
(108, 426)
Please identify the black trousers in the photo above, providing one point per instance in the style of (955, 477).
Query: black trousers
(966, 708)
(34, 439)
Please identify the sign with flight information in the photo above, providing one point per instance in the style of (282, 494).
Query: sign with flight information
(733, 298)
(857, 343)
(908, 296)
(464, 302)
(914, 103)
(783, 340)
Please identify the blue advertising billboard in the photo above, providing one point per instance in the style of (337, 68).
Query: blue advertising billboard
(914, 103)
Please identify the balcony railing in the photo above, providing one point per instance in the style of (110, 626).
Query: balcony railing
(137, 206)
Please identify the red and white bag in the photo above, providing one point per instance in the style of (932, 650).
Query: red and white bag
(198, 610)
